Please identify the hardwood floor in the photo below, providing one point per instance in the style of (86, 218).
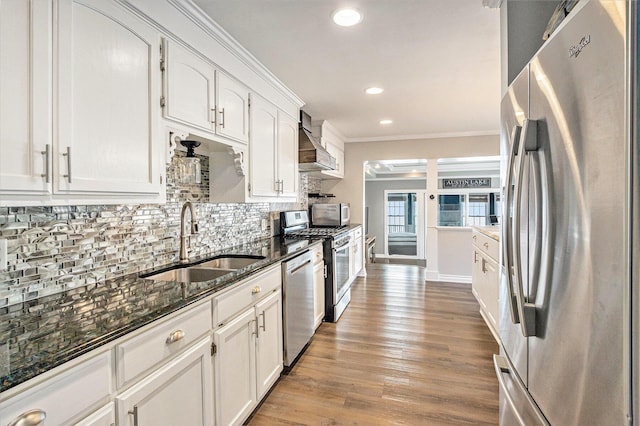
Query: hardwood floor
(404, 352)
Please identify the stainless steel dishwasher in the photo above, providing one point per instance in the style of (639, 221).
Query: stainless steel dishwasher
(297, 293)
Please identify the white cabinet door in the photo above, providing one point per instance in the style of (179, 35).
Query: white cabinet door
(234, 369)
(25, 96)
(477, 276)
(232, 112)
(179, 393)
(107, 102)
(189, 87)
(492, 280)
(318, 293)
(287, 155)
(269, 357)
(358, 254)
(262, 151)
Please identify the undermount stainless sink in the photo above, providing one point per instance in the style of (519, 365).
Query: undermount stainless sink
(205, 271)
(230, 262)
(189, 275)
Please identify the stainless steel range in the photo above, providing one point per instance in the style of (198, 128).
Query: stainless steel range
(295, 225)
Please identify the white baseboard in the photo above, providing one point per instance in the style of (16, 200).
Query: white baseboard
(465, 279)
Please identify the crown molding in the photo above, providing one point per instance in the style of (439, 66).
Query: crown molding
(200, 18)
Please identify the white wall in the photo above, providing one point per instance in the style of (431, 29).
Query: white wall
(351, 188)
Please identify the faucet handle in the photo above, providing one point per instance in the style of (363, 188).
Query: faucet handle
(194, 227)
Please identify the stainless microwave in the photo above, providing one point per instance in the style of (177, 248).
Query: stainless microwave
(330, 214)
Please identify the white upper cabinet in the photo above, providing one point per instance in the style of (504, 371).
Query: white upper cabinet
(107, 101)
(287, 157)
(189, 87)
(232, 111)
(79, 110)
(203, 98)
(25, 97)
(273, 152)
(262, 151)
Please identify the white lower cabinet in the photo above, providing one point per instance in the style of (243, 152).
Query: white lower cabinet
(234, 369)
(318, 287)
(485, 278)
(178, 393)
(268, 342)
(64, 398)
(248, 347)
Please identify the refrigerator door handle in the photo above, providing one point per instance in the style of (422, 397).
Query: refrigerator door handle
(507, 243)
(526, 311)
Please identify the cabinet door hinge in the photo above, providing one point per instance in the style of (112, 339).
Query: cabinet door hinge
(249, 187)
(162, 101)
(214, 349)
(161, 58)
(160, 179)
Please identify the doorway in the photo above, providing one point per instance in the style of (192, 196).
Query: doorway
(404, 223)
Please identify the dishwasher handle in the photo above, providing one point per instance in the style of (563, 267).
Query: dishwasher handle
(297, 268)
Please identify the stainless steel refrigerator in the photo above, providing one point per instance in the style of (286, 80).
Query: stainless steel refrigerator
(568, 153)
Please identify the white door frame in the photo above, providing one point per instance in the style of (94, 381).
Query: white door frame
(421, 221)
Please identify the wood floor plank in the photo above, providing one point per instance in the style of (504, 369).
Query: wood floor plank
(406, 351)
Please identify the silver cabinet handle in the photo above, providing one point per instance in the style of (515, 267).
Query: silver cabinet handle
(68, 155)
(134, 413)
(255, 327)
(475, 256)
(222, 118)
(47, 171)
(174, 336)
(264, 321)
(29, 418)
(507, 241)
(526, 311)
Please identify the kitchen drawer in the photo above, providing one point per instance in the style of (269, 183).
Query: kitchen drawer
(66, 397)
(160, 342)
(316, 254)
(486, 244)
(245, 294)
(357, 233)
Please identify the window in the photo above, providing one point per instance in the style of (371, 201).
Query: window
(473, 209)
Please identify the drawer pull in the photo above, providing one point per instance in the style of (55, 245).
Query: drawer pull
(256, 290)
(486, 245)
(29, 418)
(175, 336)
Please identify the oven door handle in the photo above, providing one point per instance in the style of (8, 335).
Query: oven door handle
(342, 245)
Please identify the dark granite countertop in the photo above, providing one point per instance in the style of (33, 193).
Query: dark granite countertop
(41, 334)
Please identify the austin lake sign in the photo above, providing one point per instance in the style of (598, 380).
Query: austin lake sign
(457, 183)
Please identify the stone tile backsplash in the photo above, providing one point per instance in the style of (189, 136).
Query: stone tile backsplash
(54, 248)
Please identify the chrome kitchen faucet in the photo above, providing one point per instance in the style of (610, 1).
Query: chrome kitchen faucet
(184, 245)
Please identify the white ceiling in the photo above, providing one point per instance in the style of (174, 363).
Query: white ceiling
(438, 61)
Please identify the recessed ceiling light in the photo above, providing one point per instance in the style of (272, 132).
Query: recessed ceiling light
(374, 90)
(347, 17)
(386, 121)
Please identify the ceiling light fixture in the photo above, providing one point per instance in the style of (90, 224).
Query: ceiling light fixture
(386, 121)
(347, 17)
(374, 90)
